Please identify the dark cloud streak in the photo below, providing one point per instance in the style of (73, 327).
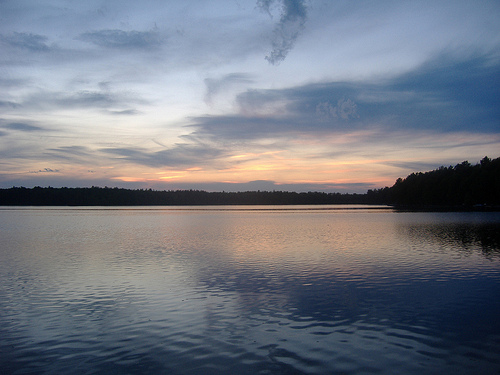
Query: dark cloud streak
(9, 104)
(125, 112)
(443, 95)
(75, 154)
(46, 170)
(118, 102)
(120, 39)
(181, 155)
(293, 17)
(22, 126)
(28, 41)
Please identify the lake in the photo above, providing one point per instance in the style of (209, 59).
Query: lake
(248, 290)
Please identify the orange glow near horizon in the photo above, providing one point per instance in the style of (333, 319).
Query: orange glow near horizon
(279, 169)
(325, 162)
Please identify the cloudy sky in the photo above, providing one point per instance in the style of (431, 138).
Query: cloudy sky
(326, 95)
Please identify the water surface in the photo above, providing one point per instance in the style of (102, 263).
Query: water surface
(248, 290)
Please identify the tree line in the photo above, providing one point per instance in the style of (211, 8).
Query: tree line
(97, 196)
(463, 185)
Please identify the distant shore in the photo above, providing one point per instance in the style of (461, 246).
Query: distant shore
(464, 187)
(113, 197)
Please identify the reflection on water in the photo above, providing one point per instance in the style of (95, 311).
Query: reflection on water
(249, 290)
(465, 237)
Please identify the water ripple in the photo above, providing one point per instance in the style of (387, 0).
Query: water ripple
(224, 292)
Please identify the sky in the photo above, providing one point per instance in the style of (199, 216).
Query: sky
(314, 95)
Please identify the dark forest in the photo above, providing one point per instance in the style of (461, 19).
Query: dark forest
(461, 186)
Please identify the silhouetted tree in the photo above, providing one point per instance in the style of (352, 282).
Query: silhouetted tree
(461, 185)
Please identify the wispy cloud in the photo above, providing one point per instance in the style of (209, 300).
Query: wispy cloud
(117, 102)
(22, 126)
(8, 83)
(28, 41)
(125, 112)
(72, 154)
(344, 109)
(216, 85)
(46, 170)
(121, 39)
(432, 97)
(178, 156)
(102, 88)
(9, 104)
(293, 16)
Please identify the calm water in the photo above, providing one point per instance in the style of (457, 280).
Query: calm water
(248, 290)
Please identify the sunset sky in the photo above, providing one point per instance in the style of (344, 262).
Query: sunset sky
(322, 95)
